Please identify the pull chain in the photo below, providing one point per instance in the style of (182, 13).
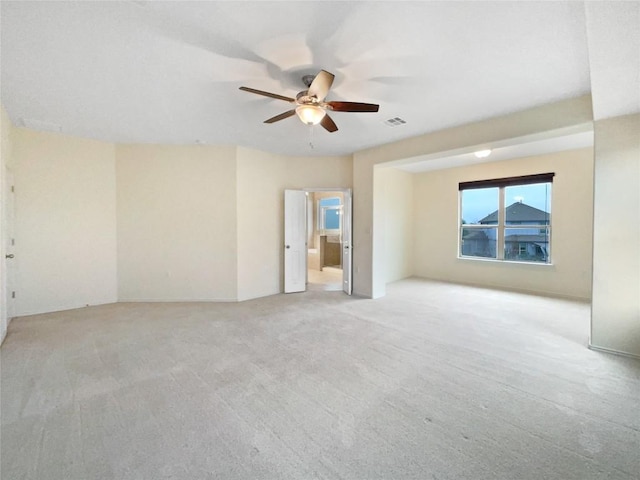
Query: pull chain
(311, 136)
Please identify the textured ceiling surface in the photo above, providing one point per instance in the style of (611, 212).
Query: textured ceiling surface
(169, 72)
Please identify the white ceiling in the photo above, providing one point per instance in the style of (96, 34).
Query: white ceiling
(169, 72)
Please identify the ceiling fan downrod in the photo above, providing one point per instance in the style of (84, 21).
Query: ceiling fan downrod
(308, 80)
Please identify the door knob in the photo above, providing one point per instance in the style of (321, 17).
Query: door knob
(287, 246)
(10, 255)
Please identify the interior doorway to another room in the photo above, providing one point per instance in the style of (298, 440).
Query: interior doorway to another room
(325, 240)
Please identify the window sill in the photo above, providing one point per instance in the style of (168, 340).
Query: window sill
(511, 262)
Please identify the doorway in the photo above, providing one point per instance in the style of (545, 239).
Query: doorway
(325, 240)
(317, 240)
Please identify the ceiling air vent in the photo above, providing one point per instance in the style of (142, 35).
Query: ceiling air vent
(394, 122)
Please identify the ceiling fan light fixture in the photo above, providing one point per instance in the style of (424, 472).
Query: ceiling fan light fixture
(310, 114)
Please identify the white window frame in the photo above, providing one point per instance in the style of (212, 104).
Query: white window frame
(322, 209)
(501, 226)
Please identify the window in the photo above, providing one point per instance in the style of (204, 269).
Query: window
(507, 219)
(329, 215)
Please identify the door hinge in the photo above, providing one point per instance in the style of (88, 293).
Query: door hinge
(13, 294)
(13, 189)
(13, 242)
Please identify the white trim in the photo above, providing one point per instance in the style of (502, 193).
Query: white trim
(498, 261)
(613, 352)
(326, 189)
(178, 300)
(526, 291)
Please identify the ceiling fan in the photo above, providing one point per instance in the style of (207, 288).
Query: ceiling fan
(310, 105)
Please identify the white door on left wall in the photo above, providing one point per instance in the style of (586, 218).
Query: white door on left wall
(9, 265)
(295, 241)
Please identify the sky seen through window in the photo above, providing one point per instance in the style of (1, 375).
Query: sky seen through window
(478, 203)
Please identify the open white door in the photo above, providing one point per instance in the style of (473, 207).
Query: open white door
(295, 241)
(346, 244)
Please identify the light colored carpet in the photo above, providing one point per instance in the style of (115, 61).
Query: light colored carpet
(434, 381)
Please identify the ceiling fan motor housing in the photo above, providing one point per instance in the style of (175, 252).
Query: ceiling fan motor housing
(303, 98)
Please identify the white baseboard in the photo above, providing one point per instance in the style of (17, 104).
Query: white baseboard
(614, 352)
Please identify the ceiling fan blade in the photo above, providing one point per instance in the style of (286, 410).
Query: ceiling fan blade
(328, 124)
(352, 107)
(282, 116)
(268, 94)
(321, 85)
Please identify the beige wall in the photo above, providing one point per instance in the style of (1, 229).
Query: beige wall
(615, 322)
(99, 223)
(318, 172)
(436, 227)
(5, 163)
(177, 233)
(205, 223)
(260, 217)
(65, 224)
(262, 179)
(368, 277)
(398, 210)
(369, 252)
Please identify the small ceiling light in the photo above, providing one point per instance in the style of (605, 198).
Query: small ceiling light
(310, 114)
(482, 153)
